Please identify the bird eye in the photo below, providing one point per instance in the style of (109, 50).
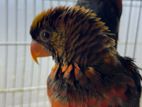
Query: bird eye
(44, 36)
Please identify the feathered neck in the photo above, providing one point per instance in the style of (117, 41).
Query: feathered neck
(85, 35)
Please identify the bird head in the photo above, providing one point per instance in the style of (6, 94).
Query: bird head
(47, 34)
(69, 34)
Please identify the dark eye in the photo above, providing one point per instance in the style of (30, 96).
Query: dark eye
(44, 36)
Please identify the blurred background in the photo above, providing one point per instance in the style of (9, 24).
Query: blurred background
(22, 81)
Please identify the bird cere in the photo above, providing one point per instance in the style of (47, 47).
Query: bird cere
(88, 71)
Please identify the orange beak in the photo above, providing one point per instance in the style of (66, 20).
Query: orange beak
(37, 50)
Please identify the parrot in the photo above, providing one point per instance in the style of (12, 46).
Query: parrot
(110, 12)
(88, 70)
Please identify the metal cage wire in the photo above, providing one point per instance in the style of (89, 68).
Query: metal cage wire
(22, 83)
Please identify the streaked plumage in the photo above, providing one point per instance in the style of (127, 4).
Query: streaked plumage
(88, 71)
(109, 11)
